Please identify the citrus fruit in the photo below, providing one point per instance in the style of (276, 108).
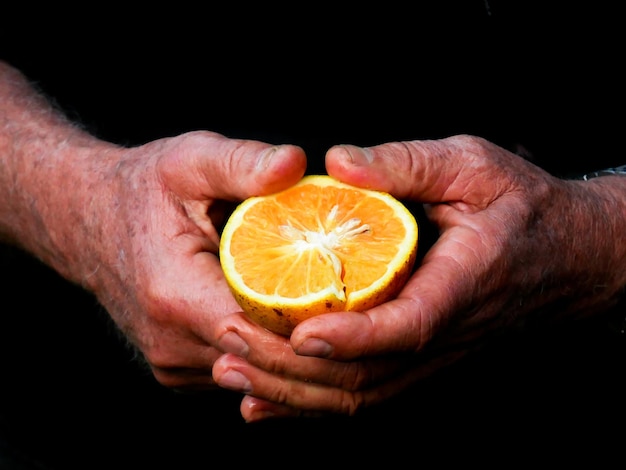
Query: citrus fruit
(320, 246)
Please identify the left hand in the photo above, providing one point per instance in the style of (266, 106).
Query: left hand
(513, 243)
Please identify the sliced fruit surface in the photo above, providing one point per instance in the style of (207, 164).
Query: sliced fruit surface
(320, 246)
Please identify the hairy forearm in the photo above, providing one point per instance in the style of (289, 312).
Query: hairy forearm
(584, 251)
(607, 232)
(47, 165)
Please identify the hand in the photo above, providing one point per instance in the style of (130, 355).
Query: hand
(138, 227)
(514, 249)
(153, 242)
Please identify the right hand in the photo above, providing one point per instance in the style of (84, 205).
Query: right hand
(151, 244)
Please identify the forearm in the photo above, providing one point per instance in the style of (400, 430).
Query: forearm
(596, 221)
(47, 166)
(610, 225)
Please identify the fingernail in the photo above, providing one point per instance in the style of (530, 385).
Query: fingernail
(259, 416)
(263, 162)
(314, 347)
(236, 381)
(233, 343)
(358, 156)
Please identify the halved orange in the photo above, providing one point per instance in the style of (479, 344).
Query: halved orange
(320, 246)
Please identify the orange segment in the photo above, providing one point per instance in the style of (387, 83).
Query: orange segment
(320, 246)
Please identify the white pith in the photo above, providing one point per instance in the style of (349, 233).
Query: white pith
(322, 241)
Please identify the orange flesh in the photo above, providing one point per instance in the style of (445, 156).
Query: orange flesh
(282, 262)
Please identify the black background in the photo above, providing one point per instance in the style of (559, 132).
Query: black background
(542, 78)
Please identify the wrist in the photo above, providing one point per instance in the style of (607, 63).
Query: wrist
(57, 197)
(49, 172)
(615, 171)
(583, 263)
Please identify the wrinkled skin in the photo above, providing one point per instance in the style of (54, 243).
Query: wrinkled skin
(168, 290)
(513, 251)
(139, 227)
(143, 237)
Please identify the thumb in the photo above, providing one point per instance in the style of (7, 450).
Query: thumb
(425, 170)
(205, 165)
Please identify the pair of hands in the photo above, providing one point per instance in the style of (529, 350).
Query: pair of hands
(139, 227)
(505, 255)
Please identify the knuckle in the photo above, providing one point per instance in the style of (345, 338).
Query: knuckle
(352, 403)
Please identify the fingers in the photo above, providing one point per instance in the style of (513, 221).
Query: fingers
(238, 335)
(256, 409)
(438, 297)
(400, 168)
(187, 292)
(174, 329)
(451, 169)
(234, 373)
(185, 369)
(204, 165)
(460, 175)
(269, 396)
(260, 363)
(405, 324)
